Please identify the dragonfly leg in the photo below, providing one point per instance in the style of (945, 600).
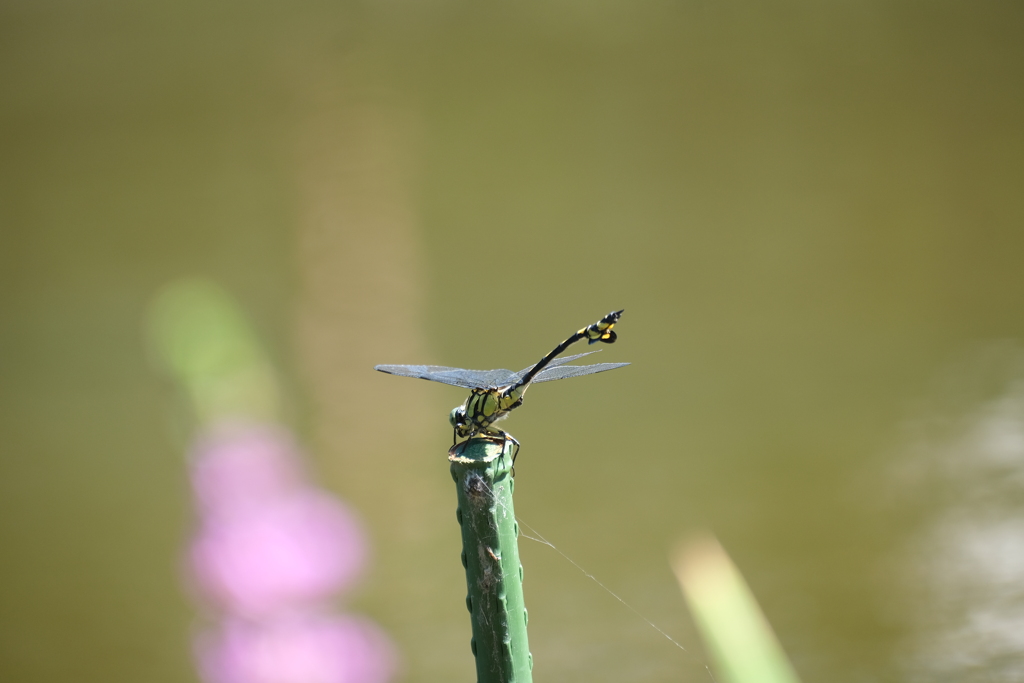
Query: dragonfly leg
(515, 454)
(500, 437)
(505, 436)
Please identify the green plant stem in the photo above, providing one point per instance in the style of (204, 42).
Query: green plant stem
(490, 554)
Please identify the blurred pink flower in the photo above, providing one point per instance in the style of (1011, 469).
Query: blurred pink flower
(269, 552)
(289, 553)
(306, 649)
(241, 467)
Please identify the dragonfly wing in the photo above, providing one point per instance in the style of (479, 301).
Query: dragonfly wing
(564, 372)
(458, 377)
(492, 379)
(555, 363)
(434, 373)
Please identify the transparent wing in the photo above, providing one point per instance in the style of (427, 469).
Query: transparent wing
(555, 363)
(458, 377)
(493, 379)
(565, 372)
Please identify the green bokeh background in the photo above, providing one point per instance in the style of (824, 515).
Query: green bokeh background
(808, 211)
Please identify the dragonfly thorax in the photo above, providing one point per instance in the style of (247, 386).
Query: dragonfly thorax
(483, 408)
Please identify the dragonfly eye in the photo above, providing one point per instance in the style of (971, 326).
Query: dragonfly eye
(457, 417)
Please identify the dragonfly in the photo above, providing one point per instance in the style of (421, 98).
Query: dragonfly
(496, 393)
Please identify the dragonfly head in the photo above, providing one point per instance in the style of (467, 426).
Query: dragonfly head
(458, 419)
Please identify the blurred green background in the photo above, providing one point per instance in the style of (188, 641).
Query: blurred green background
(811, 212)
